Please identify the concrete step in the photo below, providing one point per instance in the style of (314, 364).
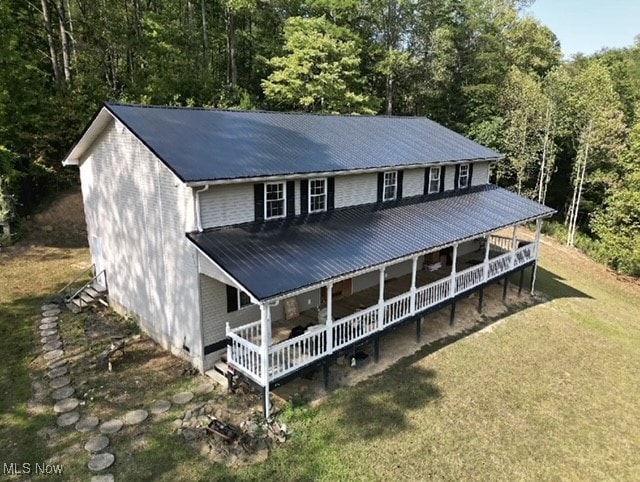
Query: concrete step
(216, 376)
(221, 367)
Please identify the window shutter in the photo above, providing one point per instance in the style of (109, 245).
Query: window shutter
(331, 188)
(291, 198)
(470, 174)
(304, 196)
(380, 185)
(400, 176)
(427, 179)
(443, 169)
(232, 299)
(258, 199)
(457, 177)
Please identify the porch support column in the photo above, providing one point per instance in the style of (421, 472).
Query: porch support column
(521, 281)
(414, 270)
(381, 300)
(537, 244)
(487, 249)
(504, 288)
(514, 246)
(453, 270)
(329, 321)
(265, 341)
(480, 300)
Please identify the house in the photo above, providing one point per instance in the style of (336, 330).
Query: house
(223, 230)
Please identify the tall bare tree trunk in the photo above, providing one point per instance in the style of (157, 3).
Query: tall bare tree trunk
(64, 41)
(577, 193)
(205, 38)
(232, 74)
(46, 17)
(543, 165)
(389, 95)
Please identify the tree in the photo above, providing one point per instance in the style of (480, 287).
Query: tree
(319, 72)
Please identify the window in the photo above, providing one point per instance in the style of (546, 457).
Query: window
(243, 299)
(274, 200)
(463, 178)
(434, 180)
(236, 299)
(317, 195)
(390, 186)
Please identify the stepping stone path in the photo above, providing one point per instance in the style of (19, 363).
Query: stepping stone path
(49, 319)
(53, 355)
(57, 372)
(111, 426)
(62, 393)
(160, 406)
(203, 388)
(49, 332)
(49, 307)
(102, 478)
(67, 419)
(57, 363)
(66, 405)
(97, 443)
(48, 326)
(52, 345)
(135, 417)
(60, 381)
(101, 462)
(47, 339)
(87, 424)
(53, 312)
(182, 398)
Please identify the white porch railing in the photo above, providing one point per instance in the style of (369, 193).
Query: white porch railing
(501, 242)
(244, 351)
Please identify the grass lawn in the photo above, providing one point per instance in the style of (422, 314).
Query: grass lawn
(550, 392)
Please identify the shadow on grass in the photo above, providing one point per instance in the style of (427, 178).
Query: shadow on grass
(554, 286)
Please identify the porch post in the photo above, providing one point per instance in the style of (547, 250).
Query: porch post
(535, 264)
(514, 244)
(381, 299)
(329, 321)
(265, 341)
(414, 270)
(453, 269)
(487, 249)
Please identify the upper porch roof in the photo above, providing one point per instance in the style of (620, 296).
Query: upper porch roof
(279, 257)
(208, 145)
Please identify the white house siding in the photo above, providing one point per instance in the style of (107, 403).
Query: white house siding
(140, 211)
(227, 204)
(356, 189)
(413, 182)
(480, 173)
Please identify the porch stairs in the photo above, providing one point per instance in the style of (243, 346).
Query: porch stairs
(79, 295)
(219, 372)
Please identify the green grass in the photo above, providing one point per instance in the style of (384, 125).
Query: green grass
(550, 393)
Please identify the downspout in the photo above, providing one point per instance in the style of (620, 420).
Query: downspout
(197, 206)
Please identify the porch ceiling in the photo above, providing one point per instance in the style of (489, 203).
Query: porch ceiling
(275, 258)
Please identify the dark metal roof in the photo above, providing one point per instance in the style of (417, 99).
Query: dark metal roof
(275, 258)
(207, 144)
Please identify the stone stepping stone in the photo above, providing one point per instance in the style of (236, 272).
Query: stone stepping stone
(62, 393)
(135, 417)
(103, 478)
(48, 307)
(203, 389)
(67, 419)
(66, 405)
(160, 406)
(101, 462)
(53, 312)
(60, 382)
(48, 326)
(111, 426)
(49, 319)
(87, 424)
(47, 339)
(57, 363)
(49, 332)
(182, 398)
(57, 372)
(52, 345)
(97, 443)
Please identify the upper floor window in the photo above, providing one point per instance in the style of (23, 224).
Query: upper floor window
(236, 299)
(463, 177)
(317, 195)
(274, 200)
(434, 179)
(390, 186)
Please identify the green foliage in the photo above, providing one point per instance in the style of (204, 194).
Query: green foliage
(319, 72)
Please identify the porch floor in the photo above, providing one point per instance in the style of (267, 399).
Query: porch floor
(397, 344)
(347, 305)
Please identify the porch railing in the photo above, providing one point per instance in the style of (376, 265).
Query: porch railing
(244, 351)
(501, 242)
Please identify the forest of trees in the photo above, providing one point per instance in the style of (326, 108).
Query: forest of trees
(569, 130)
